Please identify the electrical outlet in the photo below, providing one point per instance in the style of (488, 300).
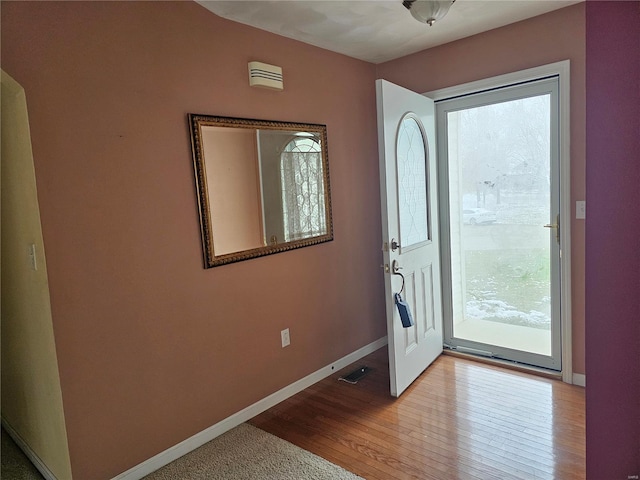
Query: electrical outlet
(31, 252)
(581, 209)
(286, 339)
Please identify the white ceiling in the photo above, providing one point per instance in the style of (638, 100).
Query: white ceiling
(376, 30)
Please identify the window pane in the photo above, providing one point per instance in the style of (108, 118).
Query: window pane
(412, 183)
(500, 197)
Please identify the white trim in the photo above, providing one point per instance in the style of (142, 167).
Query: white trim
(199, 439)
(580, 379)
(558, 68)
(39, 464)
(562, 69)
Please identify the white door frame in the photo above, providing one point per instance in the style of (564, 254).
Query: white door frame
(561, 69)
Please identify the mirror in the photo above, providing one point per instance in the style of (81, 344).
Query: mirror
(263, 186)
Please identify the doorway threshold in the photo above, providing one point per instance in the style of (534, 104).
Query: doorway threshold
(508, 364)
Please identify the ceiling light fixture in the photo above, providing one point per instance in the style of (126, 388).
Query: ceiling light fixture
(428, 11)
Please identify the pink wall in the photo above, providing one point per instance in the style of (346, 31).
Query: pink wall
(538, 41)
(152, 347)
(613, 232)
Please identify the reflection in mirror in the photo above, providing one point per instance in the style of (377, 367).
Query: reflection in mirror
(263, 186)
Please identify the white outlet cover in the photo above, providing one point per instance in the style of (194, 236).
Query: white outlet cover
(33, 259)
(286, 339)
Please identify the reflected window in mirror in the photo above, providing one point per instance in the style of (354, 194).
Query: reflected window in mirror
(263, 186)
(302, 189)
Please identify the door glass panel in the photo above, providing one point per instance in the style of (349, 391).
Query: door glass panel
(500, 198)
(412, 183)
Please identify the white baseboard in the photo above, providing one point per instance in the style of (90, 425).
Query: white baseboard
(579, 379)
(39, 464)
(199, 439)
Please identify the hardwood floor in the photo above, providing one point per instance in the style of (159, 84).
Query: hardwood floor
(459, 420)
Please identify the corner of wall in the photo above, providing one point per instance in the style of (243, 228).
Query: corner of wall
(31, 395)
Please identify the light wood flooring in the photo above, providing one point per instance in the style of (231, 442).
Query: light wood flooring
(460, 420)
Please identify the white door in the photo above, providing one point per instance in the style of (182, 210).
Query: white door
(499, 153)
(406, 142)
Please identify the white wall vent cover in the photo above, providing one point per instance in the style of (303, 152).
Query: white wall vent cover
(264, 75)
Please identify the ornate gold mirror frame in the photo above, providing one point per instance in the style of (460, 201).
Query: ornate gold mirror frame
(262, 186)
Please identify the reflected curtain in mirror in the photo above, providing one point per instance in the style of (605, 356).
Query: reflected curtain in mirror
(263, 186)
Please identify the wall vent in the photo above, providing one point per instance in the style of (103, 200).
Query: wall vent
(265, 76)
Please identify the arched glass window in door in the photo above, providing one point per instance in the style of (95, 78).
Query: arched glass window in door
(302, 189)
(413, 182)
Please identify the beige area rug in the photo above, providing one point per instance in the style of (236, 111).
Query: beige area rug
(248, 453)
